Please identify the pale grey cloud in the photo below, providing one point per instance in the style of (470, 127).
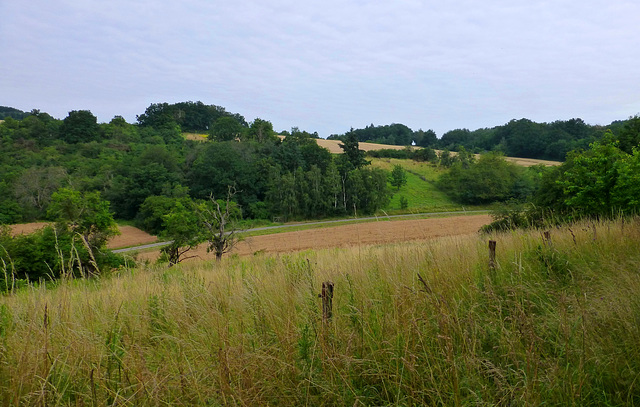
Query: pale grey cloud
(327, 66)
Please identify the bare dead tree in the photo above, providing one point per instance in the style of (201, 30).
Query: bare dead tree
(220, 221)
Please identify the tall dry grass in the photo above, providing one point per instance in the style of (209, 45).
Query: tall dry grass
(413, 324)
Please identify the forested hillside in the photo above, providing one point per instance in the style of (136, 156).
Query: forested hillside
(136, 166)
(518, 138)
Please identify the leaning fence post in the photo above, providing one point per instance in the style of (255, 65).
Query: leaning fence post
(492, 255)
(327, 300)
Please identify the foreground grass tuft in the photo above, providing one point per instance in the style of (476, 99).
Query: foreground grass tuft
(556, 322)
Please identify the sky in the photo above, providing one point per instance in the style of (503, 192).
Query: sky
(327, 65)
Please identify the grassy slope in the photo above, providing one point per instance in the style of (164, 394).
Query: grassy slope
(420, 190)
(413, 324)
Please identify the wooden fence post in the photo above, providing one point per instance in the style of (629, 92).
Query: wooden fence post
(492, 255)
(327, 300)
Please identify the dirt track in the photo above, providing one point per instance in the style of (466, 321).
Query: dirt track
(352, 235)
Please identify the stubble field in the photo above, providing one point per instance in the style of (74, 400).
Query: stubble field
(359, 234)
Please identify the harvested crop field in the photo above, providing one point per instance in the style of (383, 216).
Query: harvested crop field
(26, 228)
(334, 147)
(129, 235)
(370, 233)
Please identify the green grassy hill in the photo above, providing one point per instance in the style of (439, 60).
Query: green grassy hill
(420, 190)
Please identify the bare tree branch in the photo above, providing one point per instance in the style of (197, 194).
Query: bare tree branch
(219, 219)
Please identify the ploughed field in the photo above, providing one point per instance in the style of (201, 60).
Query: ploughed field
(129, 235)
(357, 234)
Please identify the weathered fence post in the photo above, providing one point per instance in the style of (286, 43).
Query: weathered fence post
(546, 238)
(492, 255)
(327, 300)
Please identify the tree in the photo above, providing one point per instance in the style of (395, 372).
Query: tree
(219, 220)
(629, 136)
(33, 189)
(352, 152)
(490, 179)
(446, 159)
(80, 126)
(426, 154)
(218, 165)
(150, 217)
(626, 192)
(425, 138)
(261, 131)
(182, 226)
(226, 128)
(87, 215)
(589, 182)
(189, 116)
(398, 177)
(454, 139)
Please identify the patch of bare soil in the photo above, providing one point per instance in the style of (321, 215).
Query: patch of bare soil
(26, 228)
(350, 235)
(130, 236)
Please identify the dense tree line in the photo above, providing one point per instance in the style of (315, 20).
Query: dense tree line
(518, 138)
(81, 174)
(393, 134)
(602, 181)
(488, 179)
(6, 111)
(129, 164)
(525, 138)
(190, 116)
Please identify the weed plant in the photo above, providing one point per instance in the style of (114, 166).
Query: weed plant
(555, 322)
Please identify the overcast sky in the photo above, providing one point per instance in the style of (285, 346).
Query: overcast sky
(327, 65)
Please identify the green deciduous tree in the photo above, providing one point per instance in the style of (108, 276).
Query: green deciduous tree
(589, 182)
(490, 179)
(80, 126)
(398, 177)
(425, 138)
(226, 128)
(446, 158)
(426, 154)
(261, 131)
(33, 189)
(182, 226)
(366, 190)
(87, 216)
(629, 137)
(625, 195)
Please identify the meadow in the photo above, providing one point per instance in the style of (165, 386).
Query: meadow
(555, 321)
(420, 191)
